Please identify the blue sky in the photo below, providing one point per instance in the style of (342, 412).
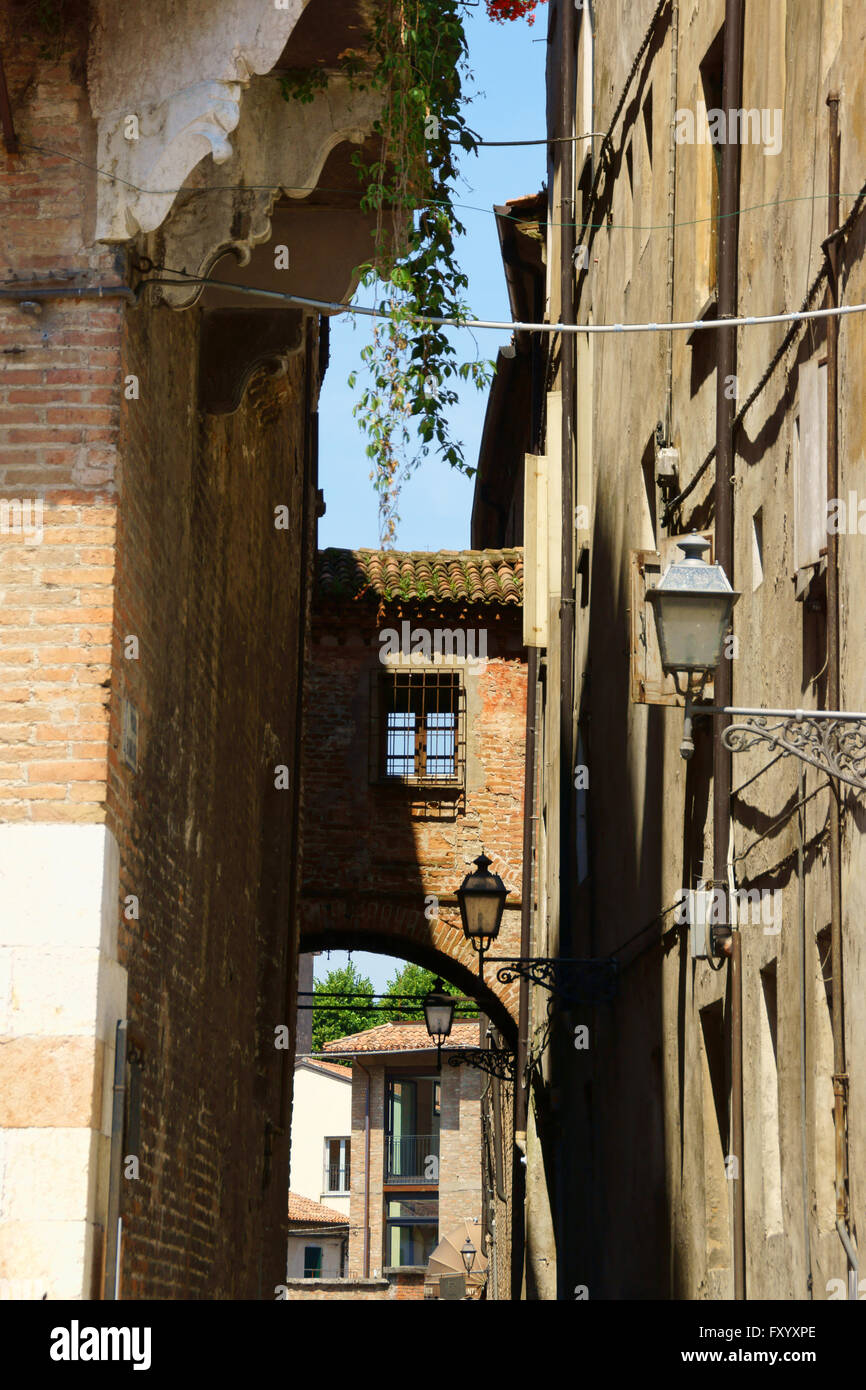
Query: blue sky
(435, 506)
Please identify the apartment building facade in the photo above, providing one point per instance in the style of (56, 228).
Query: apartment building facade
(712, 1108)
(416, 1137)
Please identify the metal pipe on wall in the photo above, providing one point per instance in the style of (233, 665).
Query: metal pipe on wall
(726, 367)
(518, 1167)
(567, 95)
(840, 1075)
(672, 201)
(366, 1169)
(801, 937)
(563, 1182)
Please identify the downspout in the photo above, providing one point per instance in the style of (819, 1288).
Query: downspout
(801, 935)
(520, 1096)
(567, 846)
(672, 204)
(521, 1081)
(111, 1275)
(366, 1169)
(840, 1075)
(724, 532)
(567, 96)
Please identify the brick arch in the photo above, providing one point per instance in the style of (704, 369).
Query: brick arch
(403, 931)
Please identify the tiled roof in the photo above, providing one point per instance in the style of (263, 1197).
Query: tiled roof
(443, 576)
(403, 1037)
(314, 1213)
(335, 1068)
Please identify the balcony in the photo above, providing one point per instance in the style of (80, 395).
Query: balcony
(412, 1158)
(336, 1178)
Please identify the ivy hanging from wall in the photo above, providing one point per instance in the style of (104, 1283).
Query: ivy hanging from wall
(411, 369)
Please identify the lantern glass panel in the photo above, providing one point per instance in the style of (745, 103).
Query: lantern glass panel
(691, 628)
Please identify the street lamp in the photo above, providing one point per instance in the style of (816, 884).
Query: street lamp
(438, 1015)
(693, 606)
(467, 1255)
(481, 896)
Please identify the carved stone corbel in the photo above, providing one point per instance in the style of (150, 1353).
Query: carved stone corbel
(279, 151)
(147, 60)
(234, 344)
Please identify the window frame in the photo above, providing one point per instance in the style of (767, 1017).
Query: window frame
(345, 1165)
(385, 685)
(389, 1222)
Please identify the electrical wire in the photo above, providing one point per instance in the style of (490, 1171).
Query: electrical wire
(464, 207)
(508, 325)
(772, 365)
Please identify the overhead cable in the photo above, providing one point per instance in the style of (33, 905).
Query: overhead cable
(507, 325)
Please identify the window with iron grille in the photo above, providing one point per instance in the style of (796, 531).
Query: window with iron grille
(418, 727)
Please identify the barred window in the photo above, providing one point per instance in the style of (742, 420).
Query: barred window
(418, 727)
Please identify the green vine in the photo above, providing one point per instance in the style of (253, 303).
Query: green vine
(420, 65)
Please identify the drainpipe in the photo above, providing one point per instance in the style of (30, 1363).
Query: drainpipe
(111, 1277)
(564, 1179)
(801, 936)
(840, 1075)
(521, 1081)
(520, 1096)
(366, 1170)
(726, 367)
(672, 203)
(567, 378)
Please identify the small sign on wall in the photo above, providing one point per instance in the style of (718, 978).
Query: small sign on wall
(129, 736)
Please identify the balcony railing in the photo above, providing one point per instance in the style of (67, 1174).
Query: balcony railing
(412, 1158)
(337, 1177)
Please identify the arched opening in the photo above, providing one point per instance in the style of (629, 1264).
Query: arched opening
(419, 953)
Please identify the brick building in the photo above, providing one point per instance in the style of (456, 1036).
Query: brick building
(414, 756)
(416, 1158)
(318, 1240)
(157, 534)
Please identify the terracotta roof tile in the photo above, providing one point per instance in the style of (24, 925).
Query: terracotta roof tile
(440, 576)
(314, 1213)
(403, 1037)
(336, 1068)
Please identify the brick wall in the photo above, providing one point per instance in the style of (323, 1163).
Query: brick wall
(212, 591)
(375, 853)
(59, 407)
(157, 524)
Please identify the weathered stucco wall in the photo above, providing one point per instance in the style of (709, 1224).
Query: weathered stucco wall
(660, 1128)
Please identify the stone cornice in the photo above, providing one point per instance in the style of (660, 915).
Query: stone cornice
(179, 71)
(278, 148)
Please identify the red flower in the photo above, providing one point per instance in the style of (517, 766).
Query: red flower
(501, 10)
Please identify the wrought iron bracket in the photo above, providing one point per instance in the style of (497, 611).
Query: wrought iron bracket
(833, 741)
(574, 981)
(495, 1061)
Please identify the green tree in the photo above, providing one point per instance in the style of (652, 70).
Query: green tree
(327, 1026)
(415, 980)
